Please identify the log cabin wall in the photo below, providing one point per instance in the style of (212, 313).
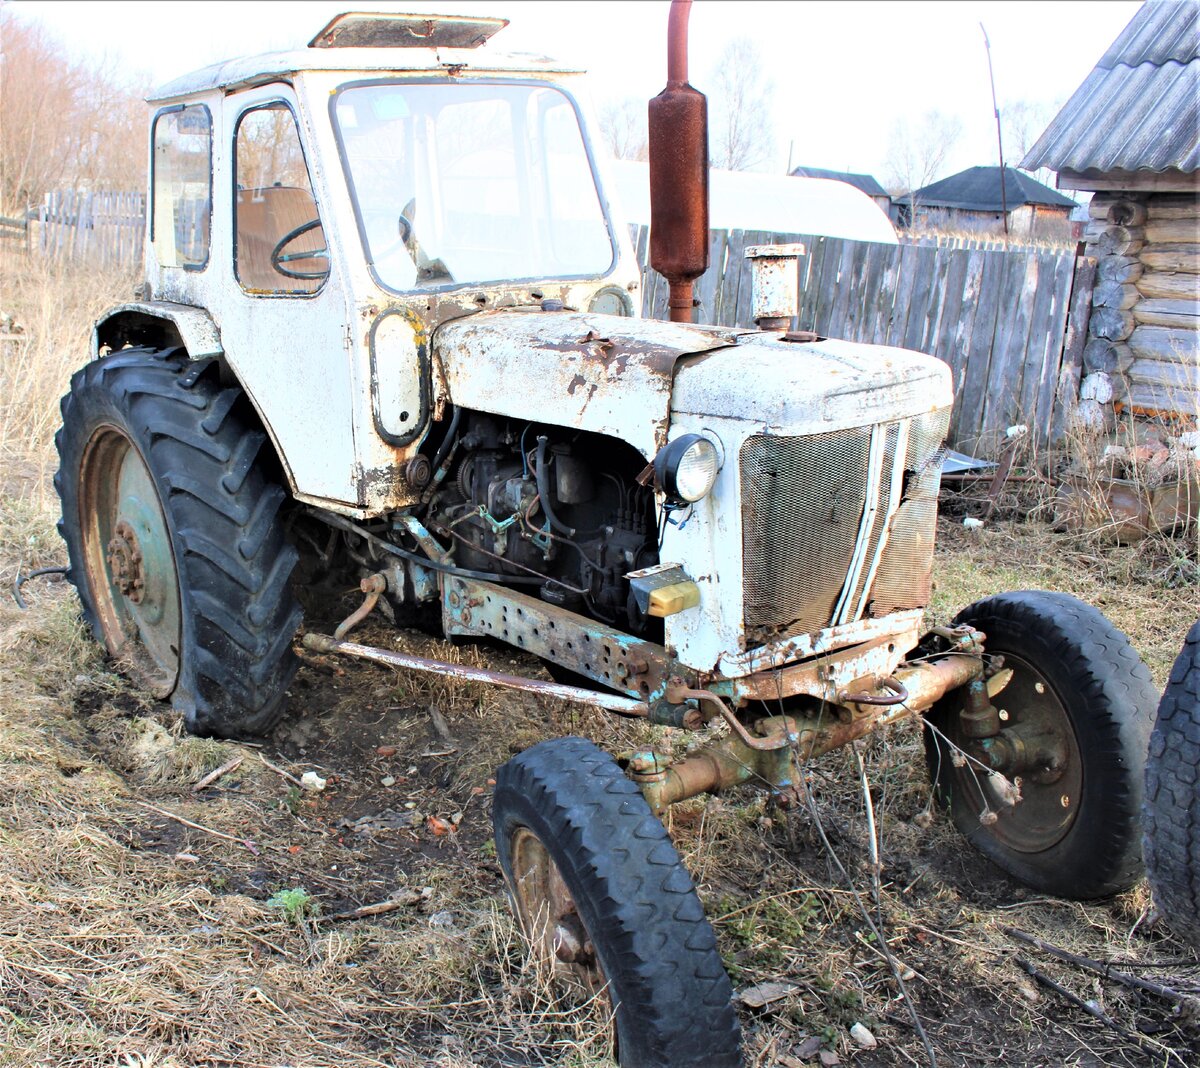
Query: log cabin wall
(1143, 349)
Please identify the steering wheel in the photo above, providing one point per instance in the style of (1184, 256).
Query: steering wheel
(279, 257)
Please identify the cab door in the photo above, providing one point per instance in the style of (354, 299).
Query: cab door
(284, 320)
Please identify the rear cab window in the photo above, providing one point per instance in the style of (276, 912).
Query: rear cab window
(181, 215)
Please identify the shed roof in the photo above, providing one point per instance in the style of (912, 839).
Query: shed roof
(773, 203)
(1139, 109)
(865, 182)
(978, 189)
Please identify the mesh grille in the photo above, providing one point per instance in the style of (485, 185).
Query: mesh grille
(802, 502)
(806, 525)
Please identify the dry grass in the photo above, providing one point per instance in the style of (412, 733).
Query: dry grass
(127, 938)
(54, 305)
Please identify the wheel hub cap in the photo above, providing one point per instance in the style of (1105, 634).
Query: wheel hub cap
(125, 562)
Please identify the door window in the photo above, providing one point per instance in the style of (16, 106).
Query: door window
(280, 245)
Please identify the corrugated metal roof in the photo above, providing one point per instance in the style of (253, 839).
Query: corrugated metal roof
(978, 189)
(1158, 32)
(1139, 109)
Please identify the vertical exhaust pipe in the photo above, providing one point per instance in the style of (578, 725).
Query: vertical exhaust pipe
(678, 127)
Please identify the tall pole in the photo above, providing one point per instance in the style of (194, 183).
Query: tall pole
(999, 139)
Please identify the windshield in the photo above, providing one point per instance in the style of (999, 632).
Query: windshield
(471, 182)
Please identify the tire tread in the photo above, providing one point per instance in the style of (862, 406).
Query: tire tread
(202, 448)
(677, 1008)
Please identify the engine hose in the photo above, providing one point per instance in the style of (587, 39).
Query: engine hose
(448, 440)
(543, 485)
(424, 561)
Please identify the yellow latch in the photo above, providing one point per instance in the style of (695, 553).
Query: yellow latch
(670, 600)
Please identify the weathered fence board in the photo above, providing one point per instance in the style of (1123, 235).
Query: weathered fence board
(1008, 320)
(105, 228)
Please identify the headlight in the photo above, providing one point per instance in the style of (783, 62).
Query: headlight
(687, 468)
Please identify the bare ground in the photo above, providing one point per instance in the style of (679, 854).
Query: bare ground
(130, 937)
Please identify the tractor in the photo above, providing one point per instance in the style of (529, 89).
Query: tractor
(390, 322)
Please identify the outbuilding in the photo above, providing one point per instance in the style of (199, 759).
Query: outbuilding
(990, 200)
(1131, 134)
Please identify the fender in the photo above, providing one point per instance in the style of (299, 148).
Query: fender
(159, 322)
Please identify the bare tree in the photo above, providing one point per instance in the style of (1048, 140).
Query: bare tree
(63, 123)
(1022, 123)
(623, 127)
(741, 134)
(918, 150)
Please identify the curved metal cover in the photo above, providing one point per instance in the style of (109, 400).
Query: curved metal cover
(383, 30)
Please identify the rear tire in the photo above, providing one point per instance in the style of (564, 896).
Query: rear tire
(589, 865)
(1076, 677)
(1172, 812)
(172, 528)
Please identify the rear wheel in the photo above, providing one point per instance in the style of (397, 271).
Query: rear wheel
(172, 528)
(606, 902)
(1075, 719)
(1172, 813)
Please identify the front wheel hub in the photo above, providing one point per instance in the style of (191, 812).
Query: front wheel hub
(125, 563)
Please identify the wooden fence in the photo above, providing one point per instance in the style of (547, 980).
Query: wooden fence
(1010, 323)
(106, 228)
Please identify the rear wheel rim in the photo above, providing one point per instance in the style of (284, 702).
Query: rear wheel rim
(129, 559)
(550, 920)
(1048, 809)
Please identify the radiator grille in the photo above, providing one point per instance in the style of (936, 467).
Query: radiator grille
(835, 525)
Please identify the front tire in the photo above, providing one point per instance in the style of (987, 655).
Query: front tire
(1172, 813)
(1077, 681)
(172, 528)
(602, 895)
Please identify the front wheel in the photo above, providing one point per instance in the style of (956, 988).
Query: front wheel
(603, 897)
(1078, 708)
(1172, 814)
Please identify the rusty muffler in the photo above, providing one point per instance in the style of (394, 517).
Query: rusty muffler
(678, 126)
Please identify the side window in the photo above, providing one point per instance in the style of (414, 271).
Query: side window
(182, 190)
(279, 245)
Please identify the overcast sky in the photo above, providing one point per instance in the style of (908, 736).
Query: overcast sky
(844, 73)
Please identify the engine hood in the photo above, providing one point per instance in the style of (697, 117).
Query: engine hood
(603, 373)
(625, 377)
(811, 387)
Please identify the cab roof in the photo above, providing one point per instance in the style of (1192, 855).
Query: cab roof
(373, 42)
